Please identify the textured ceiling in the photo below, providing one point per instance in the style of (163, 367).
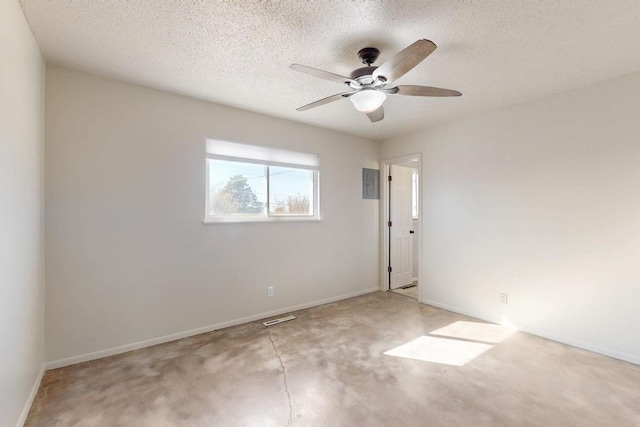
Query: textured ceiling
(237, 52)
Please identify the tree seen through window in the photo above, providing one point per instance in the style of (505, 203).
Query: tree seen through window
(241, 189)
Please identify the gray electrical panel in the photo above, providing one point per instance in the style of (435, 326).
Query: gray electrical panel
(370, 183)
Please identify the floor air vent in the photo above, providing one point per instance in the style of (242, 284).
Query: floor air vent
(279, 320)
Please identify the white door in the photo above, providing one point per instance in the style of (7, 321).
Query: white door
(400, 237)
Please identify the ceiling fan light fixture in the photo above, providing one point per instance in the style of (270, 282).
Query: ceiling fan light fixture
(368, 100)
(369, 84)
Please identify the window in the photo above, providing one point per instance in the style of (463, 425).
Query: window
(253, 183)
(414, 192)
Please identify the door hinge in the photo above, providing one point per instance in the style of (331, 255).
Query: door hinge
(389, 269)
(389, 224)
(389, 177)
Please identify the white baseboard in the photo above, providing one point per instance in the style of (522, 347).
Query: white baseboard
(172, 337)
(461, 311)
(544, 334)
(31, 398)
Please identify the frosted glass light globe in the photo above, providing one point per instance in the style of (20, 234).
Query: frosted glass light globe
(368, 100)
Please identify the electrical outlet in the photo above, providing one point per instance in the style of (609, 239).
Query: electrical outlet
(504, 298)
(270, 291)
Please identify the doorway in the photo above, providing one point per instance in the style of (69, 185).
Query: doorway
(401, 233)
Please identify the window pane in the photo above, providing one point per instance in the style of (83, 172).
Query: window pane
(415, 194)
(290, 191)
(236, 188)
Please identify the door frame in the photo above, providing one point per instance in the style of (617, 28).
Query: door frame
(384, 219)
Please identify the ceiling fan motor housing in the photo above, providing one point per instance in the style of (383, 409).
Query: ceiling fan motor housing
(364, 71)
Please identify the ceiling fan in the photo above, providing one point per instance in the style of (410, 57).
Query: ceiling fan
(369, 84)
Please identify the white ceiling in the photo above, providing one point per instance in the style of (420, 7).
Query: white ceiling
(237, 52)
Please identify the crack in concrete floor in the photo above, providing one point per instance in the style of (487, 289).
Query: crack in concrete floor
(284, 375)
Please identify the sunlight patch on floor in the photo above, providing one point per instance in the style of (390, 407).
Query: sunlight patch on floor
(507, 324)
(476, 331)
(440, 350)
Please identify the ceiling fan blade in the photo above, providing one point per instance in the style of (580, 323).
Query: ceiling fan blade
(322, 74)
(377, 115)
(413, 90)
(326, 100)
(405, 60)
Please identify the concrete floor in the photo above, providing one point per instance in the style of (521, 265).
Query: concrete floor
(336, 374)
(411, 292)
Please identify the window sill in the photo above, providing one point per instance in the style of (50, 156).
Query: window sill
(259, 220)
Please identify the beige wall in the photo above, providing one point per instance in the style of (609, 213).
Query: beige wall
(128, 257)
(21, 214)
(542, 201)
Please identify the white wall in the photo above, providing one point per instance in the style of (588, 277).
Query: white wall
(542, 201)
(128, 258)
(21, 214)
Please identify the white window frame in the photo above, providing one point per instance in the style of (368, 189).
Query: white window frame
(265, 156)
